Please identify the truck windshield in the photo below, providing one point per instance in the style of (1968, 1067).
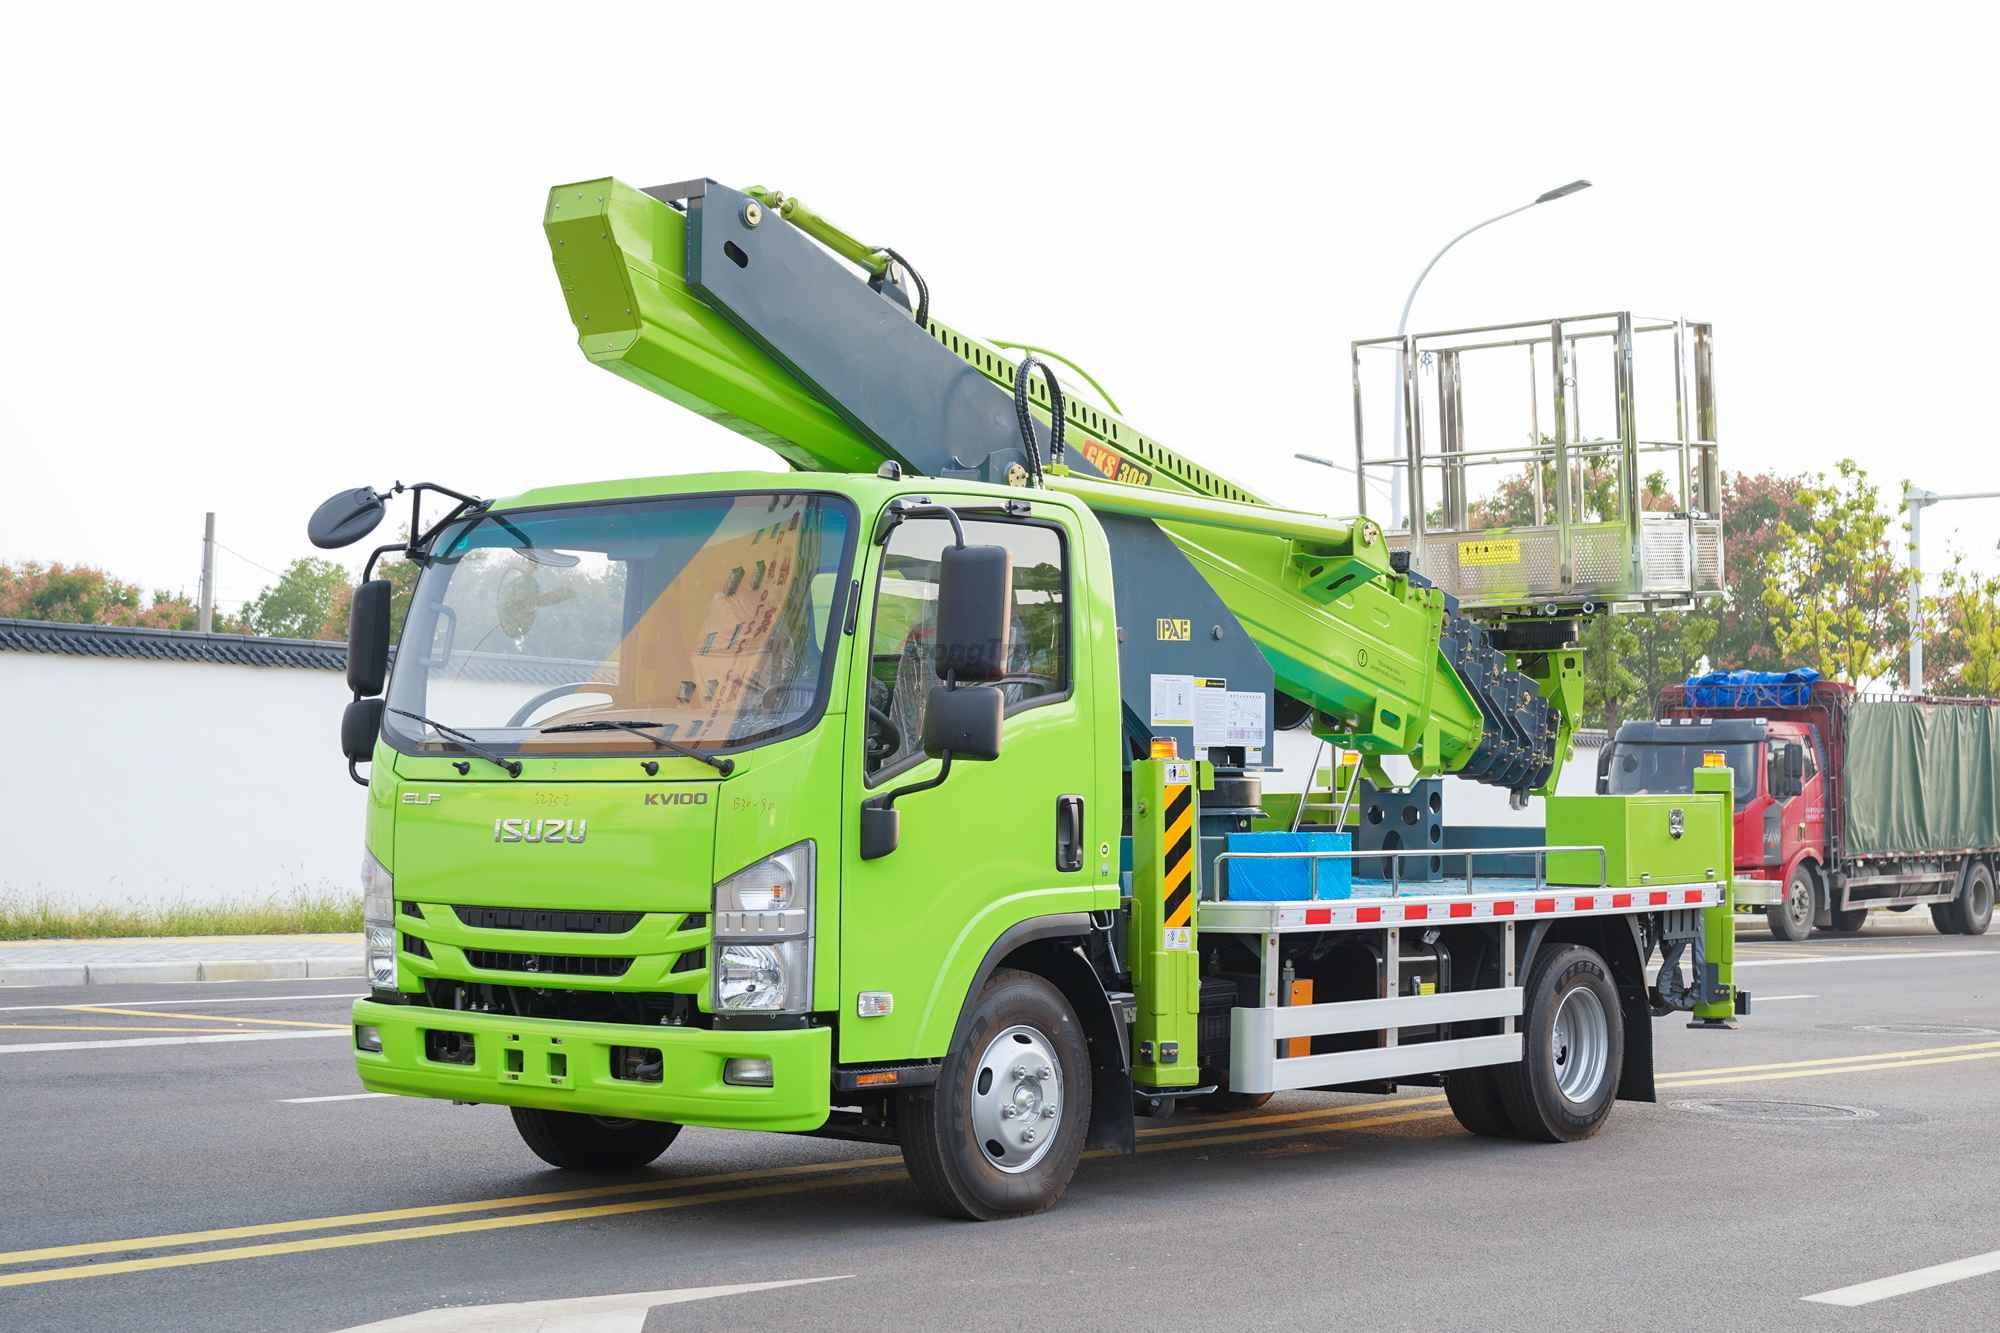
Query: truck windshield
(705, 617)
(1667, 769)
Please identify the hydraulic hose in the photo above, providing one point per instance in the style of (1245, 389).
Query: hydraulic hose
(1029, 364)
(923, 288)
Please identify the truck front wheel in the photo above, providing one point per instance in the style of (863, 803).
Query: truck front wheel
(1972, 911)
(1001, 1131)
(1792, 919)
(592, 1143)
(1572, 1048)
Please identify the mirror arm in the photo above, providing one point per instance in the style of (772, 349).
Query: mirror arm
(919, 507)
(354, 773)
(887, 801)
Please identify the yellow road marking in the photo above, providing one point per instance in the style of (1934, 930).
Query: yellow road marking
(83, 1027)
(175, 1239)
(207, 1018)
(1843, 1069)
(1841, 1059)
(1243, 1130)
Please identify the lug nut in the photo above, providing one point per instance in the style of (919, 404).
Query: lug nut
(1045, 1071)
(1027, 1136)
(1048, 1113)
(1020, 1073)
(1006, 1113)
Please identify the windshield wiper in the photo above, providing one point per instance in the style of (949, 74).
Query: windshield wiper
(722, 764)
(465, 742)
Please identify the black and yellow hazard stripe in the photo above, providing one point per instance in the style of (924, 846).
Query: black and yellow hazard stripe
(1177, 883)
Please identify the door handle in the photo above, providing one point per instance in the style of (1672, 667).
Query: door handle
(1069, 833)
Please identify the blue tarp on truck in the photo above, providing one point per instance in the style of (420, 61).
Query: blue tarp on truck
(1752, 689)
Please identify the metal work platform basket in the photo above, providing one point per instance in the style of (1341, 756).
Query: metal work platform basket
(1549, 468)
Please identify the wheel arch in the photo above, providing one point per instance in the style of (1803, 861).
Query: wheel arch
(1616, 939)
(1053, 948)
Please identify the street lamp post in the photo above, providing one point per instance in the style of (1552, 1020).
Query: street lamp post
(1397, 475)
(1916, 499)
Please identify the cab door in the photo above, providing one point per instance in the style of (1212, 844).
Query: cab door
(980, 851)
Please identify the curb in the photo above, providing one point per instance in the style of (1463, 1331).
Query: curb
(238, 969)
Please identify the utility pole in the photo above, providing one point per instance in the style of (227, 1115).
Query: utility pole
(207, 620)
(1916, 499)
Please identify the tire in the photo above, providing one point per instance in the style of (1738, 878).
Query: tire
(1475, 1099)
(592, 1143)
(1792, 919)
(1943, 919)
(1573, 1047)
(1225, 1102)
(1972, 911)
(1024, 1052)
(1846, 923)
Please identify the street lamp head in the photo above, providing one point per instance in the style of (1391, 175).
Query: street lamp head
(1315, 458)
(1561, 190)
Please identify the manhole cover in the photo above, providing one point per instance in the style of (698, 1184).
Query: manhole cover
(1737, 1108)
(1930, 1029)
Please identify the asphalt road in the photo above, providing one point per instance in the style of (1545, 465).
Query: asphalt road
(1843, 1135)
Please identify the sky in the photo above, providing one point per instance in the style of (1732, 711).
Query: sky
(250, 256)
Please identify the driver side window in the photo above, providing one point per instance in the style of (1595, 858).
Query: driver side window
(901, 653)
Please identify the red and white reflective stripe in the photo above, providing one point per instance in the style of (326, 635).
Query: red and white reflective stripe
(1477, 907)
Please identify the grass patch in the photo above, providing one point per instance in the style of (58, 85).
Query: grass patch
(301, 912)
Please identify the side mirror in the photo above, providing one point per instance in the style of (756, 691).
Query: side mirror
(359, 726)
(881, 830)
(1795, 767)
(964, 723)
(345, 519)
(368, 638)
(1604, 757)
(975, 612)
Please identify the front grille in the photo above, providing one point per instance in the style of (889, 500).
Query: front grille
(415, 947)
(548, 918)
(547, 964)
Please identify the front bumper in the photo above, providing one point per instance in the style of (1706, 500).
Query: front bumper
(561, 1066)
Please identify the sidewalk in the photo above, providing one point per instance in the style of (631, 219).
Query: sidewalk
(187, 958)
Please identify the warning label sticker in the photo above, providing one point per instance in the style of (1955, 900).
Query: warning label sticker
(1492, 551)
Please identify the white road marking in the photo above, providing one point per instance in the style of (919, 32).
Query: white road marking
(1882, 1288)
(591, 1314)
(157, 1004)
(1871, 957)
(1766, 999)
(35, 1047)
(337, 1097)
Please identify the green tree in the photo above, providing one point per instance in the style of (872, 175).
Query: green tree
(85, 595)
(1831, 583)
(1612, 691)
(1753, 506)
(302, 603)
(1962, 623)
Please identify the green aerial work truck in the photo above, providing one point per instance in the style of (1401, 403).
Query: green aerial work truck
(913, 795)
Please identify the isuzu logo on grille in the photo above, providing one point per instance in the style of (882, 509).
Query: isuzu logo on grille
(540, 830)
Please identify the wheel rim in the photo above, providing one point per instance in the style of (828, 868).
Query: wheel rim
(1017, 1099)
(1981, 898)
(1799, 902)
(1580, 1044)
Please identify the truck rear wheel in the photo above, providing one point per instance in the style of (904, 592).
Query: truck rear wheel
(1792, 919)
(1002, 1130)
(592, 1143)
(1475, 1099)
(1572, 1048)
(1972, 911)
(1850, 921)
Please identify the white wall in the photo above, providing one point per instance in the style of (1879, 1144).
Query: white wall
(125, 781)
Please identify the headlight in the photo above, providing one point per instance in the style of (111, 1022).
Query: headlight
(763, 935)
(378, 921)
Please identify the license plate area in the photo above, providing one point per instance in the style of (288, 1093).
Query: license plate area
(536, 1060)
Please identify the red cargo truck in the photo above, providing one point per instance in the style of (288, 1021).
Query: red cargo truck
(1845, 802)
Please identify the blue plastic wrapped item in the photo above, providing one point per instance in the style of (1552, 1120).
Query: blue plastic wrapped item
(1289, 880)
(1752, 689)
